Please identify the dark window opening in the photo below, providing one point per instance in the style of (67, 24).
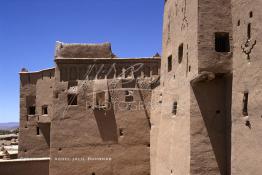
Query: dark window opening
(180, 53)
(72, 84)
(31, 110)
(249, 30)
(129, 96)
(93, 173)
(44, 110)
(251, 14)
(238, 23)
(169, 66)
(37, 131)
(121, 132)
(245, 104)
(174, 110)
(72, 99)
(222, 43)
(189, 68)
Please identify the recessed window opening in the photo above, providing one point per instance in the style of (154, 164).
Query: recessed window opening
(249, 30)
(129, 96)
(72, 99)
(37, 131)
(251, 14)
(245, 104)
(222, 43)
(169, 65)
(174, 110)
(44, 110)
(121, 132)
(31, 110)
(238, 23)
(180, 53)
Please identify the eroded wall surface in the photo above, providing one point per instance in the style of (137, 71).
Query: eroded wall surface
(246, 113)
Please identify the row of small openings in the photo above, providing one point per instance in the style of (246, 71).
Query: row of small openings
(248, 29)
(32, 110)
(72, 74)
(100, 98)
(222, 44)
(50, 75)
(180, 57)
(250, 16)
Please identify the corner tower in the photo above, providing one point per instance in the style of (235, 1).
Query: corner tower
(195, 90)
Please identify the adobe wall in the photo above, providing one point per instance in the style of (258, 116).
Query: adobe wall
(170, 133)
(175, 136)
(83, 131)
(246, 131)
(36, 89)
(24, 167)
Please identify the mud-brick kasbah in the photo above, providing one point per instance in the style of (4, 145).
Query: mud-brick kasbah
(196, 109)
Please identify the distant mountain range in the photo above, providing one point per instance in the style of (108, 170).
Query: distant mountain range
(9, 126)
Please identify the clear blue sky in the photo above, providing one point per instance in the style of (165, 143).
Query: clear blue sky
(29, 29)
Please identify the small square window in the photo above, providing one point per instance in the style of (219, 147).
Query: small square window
(72, 99)
(31, 110)
(44, 110)
(129, 96)
(222, 42)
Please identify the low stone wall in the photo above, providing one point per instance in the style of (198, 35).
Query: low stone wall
(39, 166)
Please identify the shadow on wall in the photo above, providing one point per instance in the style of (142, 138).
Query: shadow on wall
(45, 129)
(106, 123)
(210, 125)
